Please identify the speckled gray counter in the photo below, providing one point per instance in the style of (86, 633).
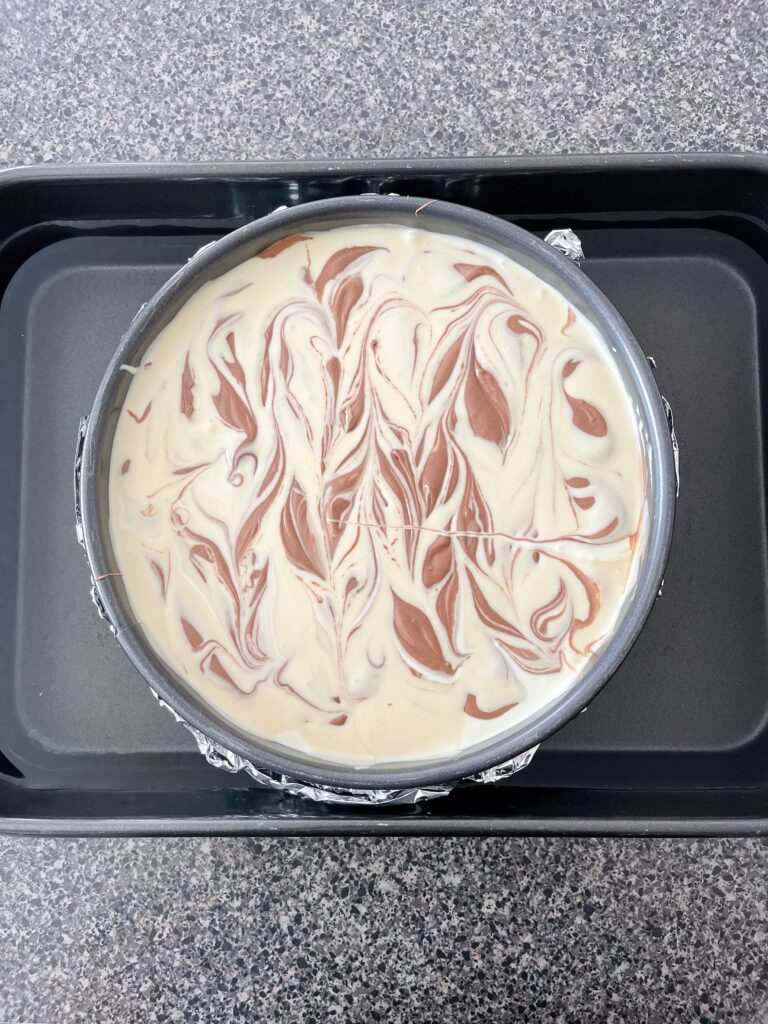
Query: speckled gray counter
(391, 930)
(207, 80)
(382, 930)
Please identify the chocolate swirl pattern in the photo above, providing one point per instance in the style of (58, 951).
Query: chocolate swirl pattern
(377, 493)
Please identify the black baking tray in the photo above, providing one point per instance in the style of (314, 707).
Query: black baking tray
(677, 743)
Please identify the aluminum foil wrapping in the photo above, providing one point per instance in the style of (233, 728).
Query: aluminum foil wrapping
(220, 757)
(675, 445)
(566, 242)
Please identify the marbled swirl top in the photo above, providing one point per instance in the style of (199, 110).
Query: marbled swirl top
(377, 493)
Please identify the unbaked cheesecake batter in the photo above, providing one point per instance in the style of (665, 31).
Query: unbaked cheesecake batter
(377, 493)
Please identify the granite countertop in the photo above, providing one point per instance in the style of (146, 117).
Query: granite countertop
(387, 929)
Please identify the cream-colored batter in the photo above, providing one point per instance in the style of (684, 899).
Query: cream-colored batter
(377, 494)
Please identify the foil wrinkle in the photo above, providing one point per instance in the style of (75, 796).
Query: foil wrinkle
(673, 439)
(219, 757)
(566, 242)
